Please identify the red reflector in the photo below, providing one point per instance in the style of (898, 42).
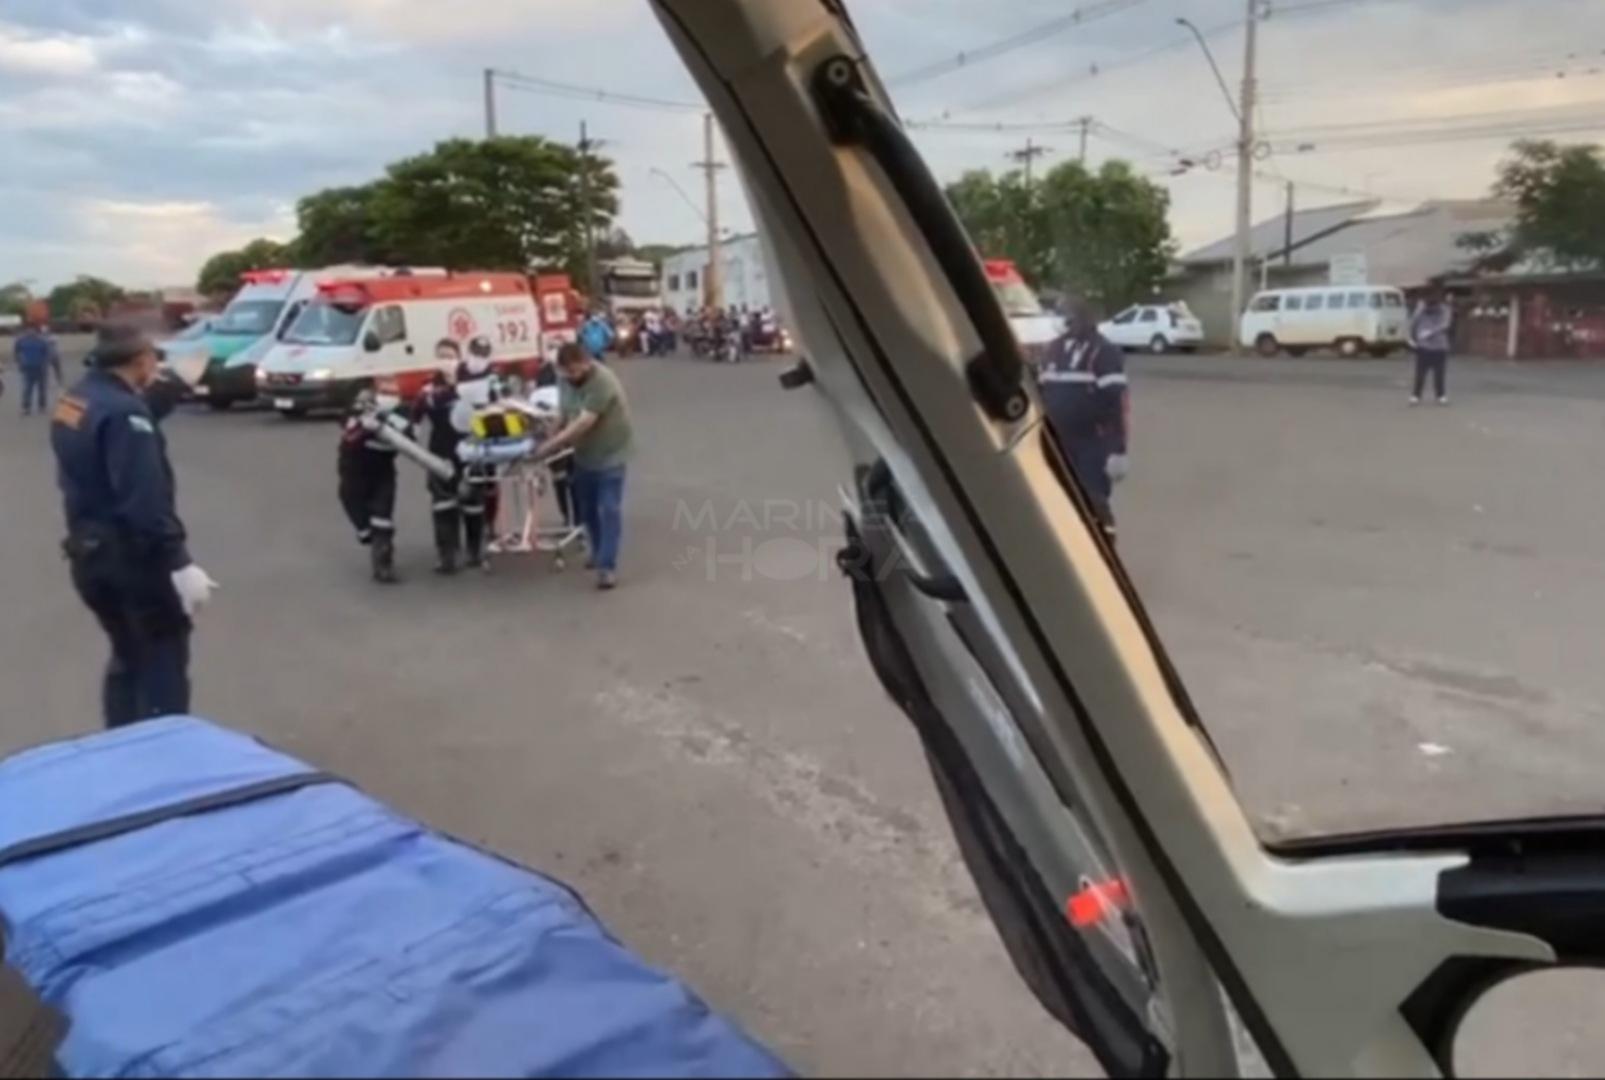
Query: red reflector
(1095, 903)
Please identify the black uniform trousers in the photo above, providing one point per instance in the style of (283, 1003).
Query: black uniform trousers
(138, 608)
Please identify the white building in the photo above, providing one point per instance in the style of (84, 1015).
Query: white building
(746, 276)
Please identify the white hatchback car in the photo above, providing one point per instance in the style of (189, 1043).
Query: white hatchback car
(1158, 328)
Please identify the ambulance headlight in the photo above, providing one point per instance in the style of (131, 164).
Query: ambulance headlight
(321, 374)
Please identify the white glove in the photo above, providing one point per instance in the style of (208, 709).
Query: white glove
(194, 587)
(1117, 467)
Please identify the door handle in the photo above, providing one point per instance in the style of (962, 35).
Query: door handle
(997, 375)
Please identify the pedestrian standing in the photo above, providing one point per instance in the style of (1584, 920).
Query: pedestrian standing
(1085, 392)
(125, 542)
(1430, 327)
(597, 426)
(37, 358)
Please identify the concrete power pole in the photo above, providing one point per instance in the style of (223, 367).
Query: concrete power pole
(1287, 229)
(1028, 154)
(490, 103)
(1245, 169)
(713, 277)
(593, 284)
(1085, 124)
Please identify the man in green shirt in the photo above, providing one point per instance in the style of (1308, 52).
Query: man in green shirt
(596, 425)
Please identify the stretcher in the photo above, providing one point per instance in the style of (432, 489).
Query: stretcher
(500, 451)
(194, 903)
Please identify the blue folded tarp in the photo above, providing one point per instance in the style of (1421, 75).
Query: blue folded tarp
(198, 904)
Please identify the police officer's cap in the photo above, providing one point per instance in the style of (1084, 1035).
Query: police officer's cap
(117, 344)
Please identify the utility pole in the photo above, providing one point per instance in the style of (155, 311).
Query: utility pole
(1245, 166)
(592, 284)
(1287, 229)
(1085, 124)
(1026, 155)
(490, 103)
(713, 277)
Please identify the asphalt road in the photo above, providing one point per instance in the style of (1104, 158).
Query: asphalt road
(1385, 615)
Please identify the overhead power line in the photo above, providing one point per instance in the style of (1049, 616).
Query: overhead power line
(969, 58)
(1092, 70)
(530, 84)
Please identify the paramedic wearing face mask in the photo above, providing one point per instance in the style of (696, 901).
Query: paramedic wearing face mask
(477, 387)
(596, 425)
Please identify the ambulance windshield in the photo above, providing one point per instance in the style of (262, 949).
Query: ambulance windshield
(323, 323)
(253, 317)
(1017, 297)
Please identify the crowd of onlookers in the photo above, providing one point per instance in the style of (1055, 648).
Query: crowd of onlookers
(720, 333)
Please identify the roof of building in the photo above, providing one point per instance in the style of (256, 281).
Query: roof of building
(1269, 236)
(1404, 248)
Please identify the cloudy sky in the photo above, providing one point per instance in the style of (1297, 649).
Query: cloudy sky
(141, 135)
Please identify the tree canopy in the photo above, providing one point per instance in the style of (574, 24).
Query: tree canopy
(14, 298)
(1559, 195)
(220, 274)
(336, 226)
(84, 296)
(1104, 235)
(509, 203)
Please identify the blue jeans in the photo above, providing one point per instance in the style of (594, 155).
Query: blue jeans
(599, 502)
(33, 388)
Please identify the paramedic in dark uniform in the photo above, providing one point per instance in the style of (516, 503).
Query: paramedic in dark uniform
(434, 407)
(1083, 383)
(368, 481)
(477, 387)
(125, 542)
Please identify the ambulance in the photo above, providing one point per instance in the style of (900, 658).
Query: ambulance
(236, 340)
(1035, 327)
(396, 331)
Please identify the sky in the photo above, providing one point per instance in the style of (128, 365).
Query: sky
(141, 136)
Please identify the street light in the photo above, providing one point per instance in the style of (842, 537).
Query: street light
(689, 201)
(1219, 78)
(695, 209)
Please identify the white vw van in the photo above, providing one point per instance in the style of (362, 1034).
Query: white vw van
(1351, 319)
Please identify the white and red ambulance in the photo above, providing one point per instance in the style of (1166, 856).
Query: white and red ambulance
(399, 330)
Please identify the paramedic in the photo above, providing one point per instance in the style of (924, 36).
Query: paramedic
(125, 543)
(434, 406)
(1083, 382)
(596, 425)
(367, 471)
(477, 388)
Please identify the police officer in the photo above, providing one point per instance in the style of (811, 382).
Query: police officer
(1083, 382)
(367, 470)
(125, 542)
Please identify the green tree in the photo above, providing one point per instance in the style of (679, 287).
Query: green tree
(14, 298)
(510, 203)
(1104, 235)
(1559, 195)
(220, 275)
(85, 296)
(1005, 220)
(1109, 231)
(337, 227)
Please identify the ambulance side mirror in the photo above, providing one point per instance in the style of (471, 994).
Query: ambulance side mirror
(371, 342)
